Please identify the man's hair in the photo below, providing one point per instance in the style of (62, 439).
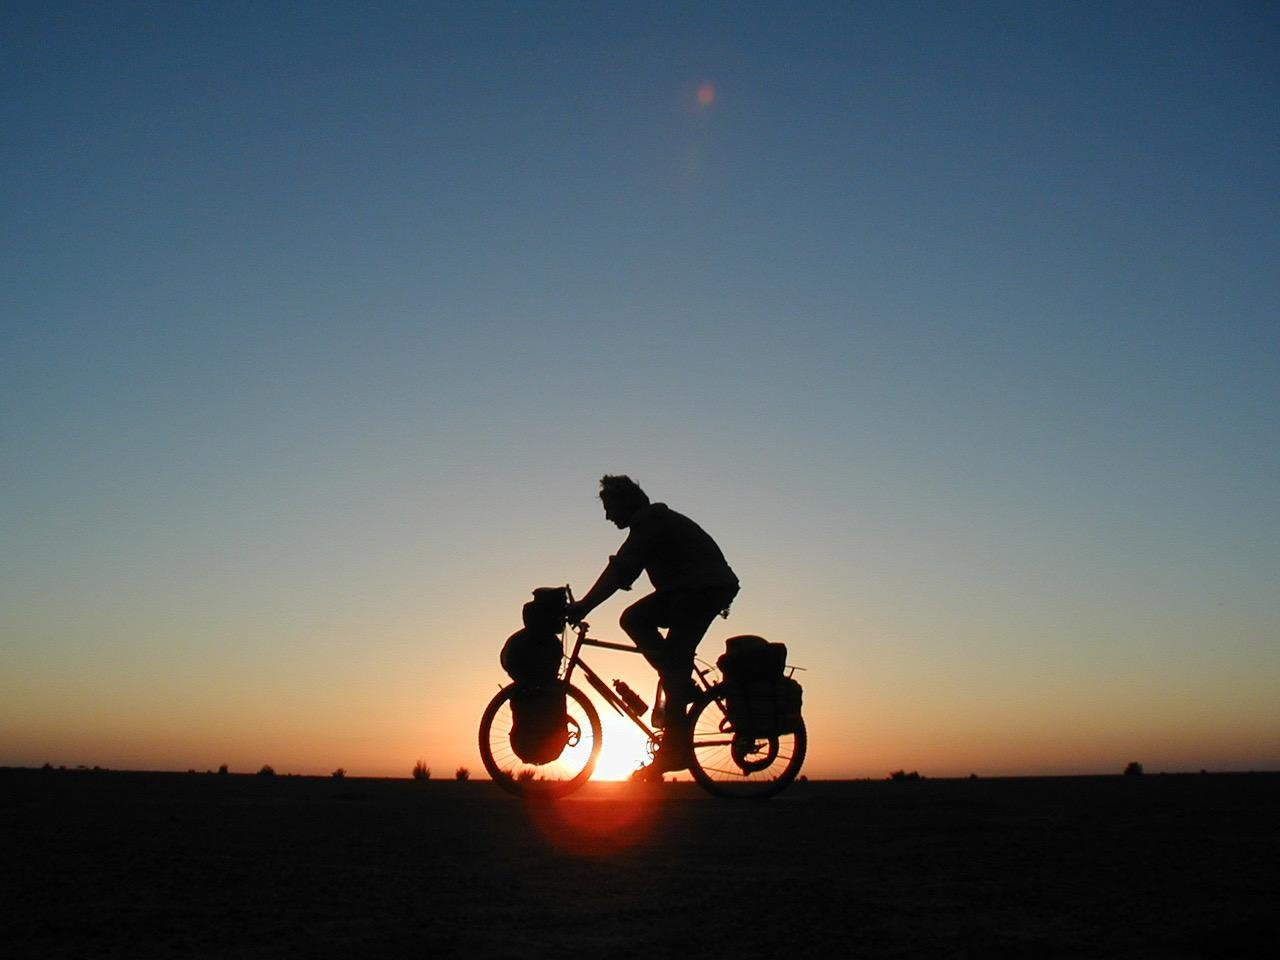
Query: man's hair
(623, 491)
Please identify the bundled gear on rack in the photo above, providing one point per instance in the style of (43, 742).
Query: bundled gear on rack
(531, 657)
(761, 699)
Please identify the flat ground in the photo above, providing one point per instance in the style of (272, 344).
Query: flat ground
(183, 865)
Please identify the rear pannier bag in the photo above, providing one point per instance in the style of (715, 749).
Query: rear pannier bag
(540, 724)
(760, 699)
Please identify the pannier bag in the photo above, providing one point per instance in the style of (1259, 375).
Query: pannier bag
(532, 654)
(760, 699)
(540, 725)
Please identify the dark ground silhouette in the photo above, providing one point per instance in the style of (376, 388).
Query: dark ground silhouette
(181, 865)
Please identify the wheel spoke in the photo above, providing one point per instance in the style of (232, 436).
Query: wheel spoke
(568, 771)
(758, 767)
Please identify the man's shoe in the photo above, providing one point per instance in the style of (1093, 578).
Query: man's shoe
(646, 774)
(670, 757)
(666, 760)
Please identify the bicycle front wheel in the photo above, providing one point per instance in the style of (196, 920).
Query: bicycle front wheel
(566, 773)
(731, 764)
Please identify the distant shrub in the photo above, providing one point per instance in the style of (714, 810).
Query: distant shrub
(222, 770)
(339, 774)
(525, 775)
(47, 766)
(462, 774)
(903, 775)
(421, 771)
(1133, 769)
(266, 771)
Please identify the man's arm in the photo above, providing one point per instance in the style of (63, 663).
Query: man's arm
(617, 575)
(606, 586)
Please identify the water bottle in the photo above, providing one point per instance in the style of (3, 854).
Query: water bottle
(630, 698)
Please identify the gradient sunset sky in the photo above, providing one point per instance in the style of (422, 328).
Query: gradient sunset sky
(956, 325)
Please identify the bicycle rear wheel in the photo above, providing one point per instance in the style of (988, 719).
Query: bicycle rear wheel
(730, 764)
(570, 770)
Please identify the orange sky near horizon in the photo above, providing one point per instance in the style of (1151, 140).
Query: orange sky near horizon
(868, 714)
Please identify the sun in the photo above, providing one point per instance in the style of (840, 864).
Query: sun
(622, 748)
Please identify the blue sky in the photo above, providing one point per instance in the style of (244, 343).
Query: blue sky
(955, 326)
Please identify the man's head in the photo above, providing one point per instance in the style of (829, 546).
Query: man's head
(622, 499)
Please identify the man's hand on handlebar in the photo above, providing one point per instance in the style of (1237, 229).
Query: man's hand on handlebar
(576, 611)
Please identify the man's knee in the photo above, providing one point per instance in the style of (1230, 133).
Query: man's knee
(638, 623)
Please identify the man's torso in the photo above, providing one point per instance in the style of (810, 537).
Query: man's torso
(675, 552)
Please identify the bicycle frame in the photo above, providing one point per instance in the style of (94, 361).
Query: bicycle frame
(610, 697)
(725, 760)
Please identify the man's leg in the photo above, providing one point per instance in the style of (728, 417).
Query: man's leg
(673, 661)
(687, 615)
(690, 615)
(641, 621)
(689, 624)
(672, 655)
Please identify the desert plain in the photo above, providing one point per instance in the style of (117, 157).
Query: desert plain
(109, 864)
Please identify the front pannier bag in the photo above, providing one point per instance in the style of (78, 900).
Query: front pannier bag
(540, 725)
(531, 656)
(760, 699)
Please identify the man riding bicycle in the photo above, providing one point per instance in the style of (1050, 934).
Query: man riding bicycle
(692, 583)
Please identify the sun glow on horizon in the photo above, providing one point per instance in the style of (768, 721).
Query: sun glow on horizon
(622, 747)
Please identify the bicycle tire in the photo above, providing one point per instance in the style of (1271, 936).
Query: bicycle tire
(539, 781)
(729, 765)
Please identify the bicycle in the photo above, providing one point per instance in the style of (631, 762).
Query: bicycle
(725, 761)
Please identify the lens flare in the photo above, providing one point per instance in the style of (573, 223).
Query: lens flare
(706, 94)
(602, 820)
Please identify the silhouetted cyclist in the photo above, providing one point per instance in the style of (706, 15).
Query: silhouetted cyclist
(692, 583)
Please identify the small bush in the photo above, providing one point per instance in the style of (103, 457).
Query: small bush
(526, 775)
(462, 774)
(1133, 769)
(903, 775)
(267, 771)
(222, 770)
(421, 771)
(339, 774)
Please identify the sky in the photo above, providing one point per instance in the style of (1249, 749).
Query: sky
(955, 325)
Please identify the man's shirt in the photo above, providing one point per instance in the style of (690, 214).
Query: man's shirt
(675, 552)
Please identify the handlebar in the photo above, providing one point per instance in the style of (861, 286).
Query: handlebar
(581, 626)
